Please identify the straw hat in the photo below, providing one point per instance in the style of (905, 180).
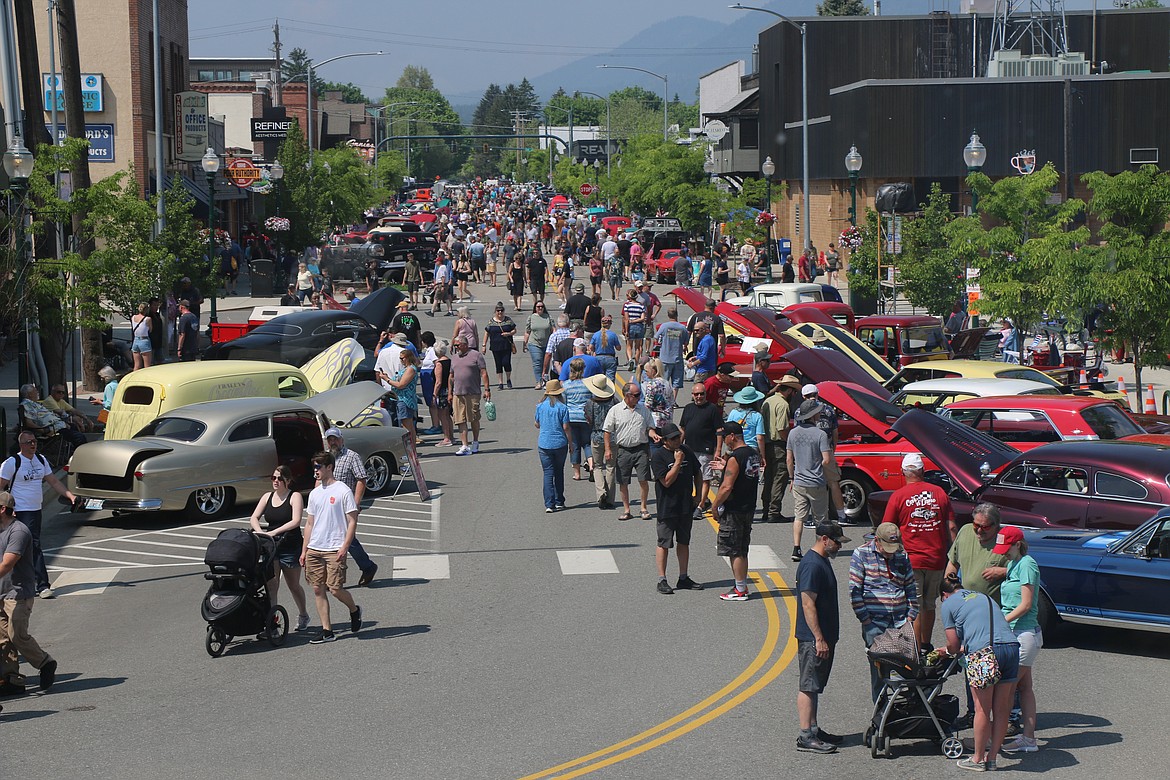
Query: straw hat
(554, 387)
(599, 385)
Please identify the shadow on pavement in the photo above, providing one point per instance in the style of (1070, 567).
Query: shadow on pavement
(391, 632)
(76, 682)
(11, 717)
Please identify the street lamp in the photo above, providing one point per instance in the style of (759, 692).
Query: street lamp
(974, 155)
(276, 173)
(596, 170)
(769, 169)
(18, 164)
(309, 95)
(853, 165)
(803, 28)
(210, 163)
(665, 89)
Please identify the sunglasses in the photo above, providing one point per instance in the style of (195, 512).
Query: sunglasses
(277, 478)
(318, 466)
(983, 526)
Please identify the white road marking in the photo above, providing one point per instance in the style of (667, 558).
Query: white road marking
(760, 557)
(587, 562)
(87, 582)
(422, 567)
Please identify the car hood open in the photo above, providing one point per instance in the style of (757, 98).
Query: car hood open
(958, 450)
(335, 366)
(830, 366)
(378, 307)
(115, 458)
(349, 403)
(870, 411)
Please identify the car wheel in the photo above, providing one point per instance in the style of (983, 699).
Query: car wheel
(210, 503)
(1047, 615)
(379, 470)
(855, 490)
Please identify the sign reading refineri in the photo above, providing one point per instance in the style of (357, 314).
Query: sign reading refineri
(270, 129)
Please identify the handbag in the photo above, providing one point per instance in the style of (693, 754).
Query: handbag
(489, 410)
(982, 665)
(103, 415)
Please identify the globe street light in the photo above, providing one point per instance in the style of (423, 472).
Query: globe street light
(665, 89)
(210, 164)
(974, 155)
(18, 164)
(853, 165)
(769, 169)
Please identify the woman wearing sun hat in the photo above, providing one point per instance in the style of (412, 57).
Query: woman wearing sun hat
(552, 420)
(749, 417)
(1020, 601)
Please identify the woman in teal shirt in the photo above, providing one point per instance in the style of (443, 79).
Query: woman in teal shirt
(552, 419)
(1020, 599)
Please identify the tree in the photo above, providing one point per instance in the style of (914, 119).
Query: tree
(842, 8)
(430, 114)
(296, 64)
(933, 279)
(350, 93)
(657, 174)
(863, 261)
(415, 77)
(1130, 270)
(743, 207)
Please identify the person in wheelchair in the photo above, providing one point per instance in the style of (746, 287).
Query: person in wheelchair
(42, 421)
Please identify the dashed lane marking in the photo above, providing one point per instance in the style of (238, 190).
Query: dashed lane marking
(422, 567)
(587, 562)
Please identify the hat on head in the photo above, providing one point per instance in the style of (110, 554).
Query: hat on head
(599, 385)
(1007, 536)
(554, 387)
(669, 430)
(404, 303)
(607, 318)
(292, 286)
(912, 461)
(579, 287)
(186, 304)
(6, 500)
(580, 343)
(809, 389)
(788, 380)
(400, 339)
(888, 538)
(639, 283)
(833, 531)
(334, 432)
(808, 410)
(819, 337)
(748, 395)
(731, 428)
(727, 369)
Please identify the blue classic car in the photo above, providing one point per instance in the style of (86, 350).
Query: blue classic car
(1119, 579)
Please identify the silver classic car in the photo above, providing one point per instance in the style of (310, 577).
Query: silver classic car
(206, 457)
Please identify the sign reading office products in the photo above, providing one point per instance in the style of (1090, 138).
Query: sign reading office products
(100, 137)
(191, 123)
(91, 92)
(270, 129)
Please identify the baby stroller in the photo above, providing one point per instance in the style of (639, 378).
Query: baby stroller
(241, 563)
(911, 704)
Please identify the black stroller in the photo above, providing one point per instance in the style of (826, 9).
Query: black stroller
(911, 704)
(241, 564)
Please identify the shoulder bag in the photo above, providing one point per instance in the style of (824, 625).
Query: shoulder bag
(982, 665)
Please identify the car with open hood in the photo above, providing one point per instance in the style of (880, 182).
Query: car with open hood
(933, 394)
(1068, 484)
(206, 457)
(993, 369)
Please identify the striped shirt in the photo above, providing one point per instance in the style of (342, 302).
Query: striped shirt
(634, 310)
(881, 589)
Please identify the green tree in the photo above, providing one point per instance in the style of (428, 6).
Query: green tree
(744, 205)
(431, 114)
(933, 279)
(842, 8)
(296, 64)
(1130, 270)
(346, 189)
(415, 77)
(863, 261)
(657, 174)
(388, 174)
(350, 93)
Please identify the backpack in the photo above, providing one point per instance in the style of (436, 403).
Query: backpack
(16, 465)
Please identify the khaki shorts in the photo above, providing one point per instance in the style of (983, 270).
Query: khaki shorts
(928, 582)
(323, 568)
(465, 409)
(832, 471)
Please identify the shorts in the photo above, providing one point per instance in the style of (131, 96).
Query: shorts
(595, 279)
(735, 534)
(323, 568)
(632, 463)
(465, 409)
(637, 331)
(406, 411)
(141, 344)
(674, 528)
(928, 582)
(1008, 656)
(832, 471)
(288, 559)
(705, 466)
(1031, 640)
(814, 671)
(412, 287)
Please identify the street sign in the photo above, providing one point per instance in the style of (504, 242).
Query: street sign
(715, 130)
(91, 92)
(587, 189)
(191, 124)
(100, 137)
(241, 172)
(270, 129)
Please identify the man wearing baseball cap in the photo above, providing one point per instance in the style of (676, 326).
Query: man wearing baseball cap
(678, 489)
(923, 513)
(577, 303)
(17, 595)
(808, 455)
(735, 505)
(349, 469)
(827, 422)
(881, 589)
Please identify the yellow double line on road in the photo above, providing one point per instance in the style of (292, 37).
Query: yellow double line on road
(710, 708)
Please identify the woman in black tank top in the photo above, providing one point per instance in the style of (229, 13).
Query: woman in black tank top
(282, 510)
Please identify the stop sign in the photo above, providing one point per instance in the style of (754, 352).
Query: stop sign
(587, 189)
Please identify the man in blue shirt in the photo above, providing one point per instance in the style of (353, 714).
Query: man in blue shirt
(706, 357)
(605, 345)
(592, 365)
(672, 337)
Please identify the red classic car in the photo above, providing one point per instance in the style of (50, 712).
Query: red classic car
(839, 314)
(660, 265)
(1027, 421)
(903, 339)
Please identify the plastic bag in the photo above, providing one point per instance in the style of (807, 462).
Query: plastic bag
(489, 410)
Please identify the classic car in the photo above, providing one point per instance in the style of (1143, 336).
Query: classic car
(993, 369)
(841, 314)
(779, 295)
(932, 394)
(295, 338)
(660, 265)
(1068, 484)
(206, 457)
(1028, 421)
(902, 339)
(1117, 579)
(814, 334)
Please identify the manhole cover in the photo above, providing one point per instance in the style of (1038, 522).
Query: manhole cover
(83, 708)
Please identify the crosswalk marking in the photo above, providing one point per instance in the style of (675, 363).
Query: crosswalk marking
(89, 582)
(587, 562)
(422, 567)
(760, 557)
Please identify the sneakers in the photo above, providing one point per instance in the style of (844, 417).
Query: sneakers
(664, 588)
(355, 620)
(686, 583)
(1020, 744)
(323, 637)
(559, 507)
(735, 594)
(797, 554)
(548, 510)
(814, 745)
(302, 622)
(46, 593)
(48, 675)
(501, 387)
(971, 765)
(464, 450)
(367, 576)
(509, 384)
(832, 739)
(475, 448)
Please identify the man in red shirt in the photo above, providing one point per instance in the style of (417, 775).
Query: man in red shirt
(924, 514)
(718, 386)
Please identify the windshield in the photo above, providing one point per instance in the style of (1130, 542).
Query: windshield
(1031, 374)
(175, 428)
(923, 340)
(1109, 422)
(848, 344)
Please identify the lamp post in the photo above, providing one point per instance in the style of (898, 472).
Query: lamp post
(803, 28)
(210, 164)
(390, 128)
(596, 171)
(665, 90)
(769, 169)
(309, 93)
(276, 173)
(853, 165)
(18, 164)
(974, 155)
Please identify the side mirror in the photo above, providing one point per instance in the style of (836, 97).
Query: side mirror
(1144, 552)
(985, 471)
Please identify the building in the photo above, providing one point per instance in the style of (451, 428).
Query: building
(909, 91)
(730, 97)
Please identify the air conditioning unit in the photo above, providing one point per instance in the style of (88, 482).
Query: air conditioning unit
(1008, 63)
(1073, 63)
(1041, 66)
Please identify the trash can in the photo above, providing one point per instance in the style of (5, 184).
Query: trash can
(261, 278)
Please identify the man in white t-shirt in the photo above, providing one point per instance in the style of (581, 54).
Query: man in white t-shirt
(609, 249)
(332, 521)
(389, 361)
(24, 474)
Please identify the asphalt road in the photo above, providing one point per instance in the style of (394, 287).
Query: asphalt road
(485, 656)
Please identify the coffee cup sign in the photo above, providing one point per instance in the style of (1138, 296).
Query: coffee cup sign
(1025, 162)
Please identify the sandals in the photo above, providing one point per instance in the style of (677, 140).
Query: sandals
(626, 516)
(645, 515)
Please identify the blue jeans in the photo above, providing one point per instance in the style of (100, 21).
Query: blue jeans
(537, 353)
(553, 463)
(360, 556)
(579, 446)
(32, 518)
(673, 373)
(428, 386)
(609, 366)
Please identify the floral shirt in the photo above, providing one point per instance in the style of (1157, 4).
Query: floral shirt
(595, 412)
(659, 398)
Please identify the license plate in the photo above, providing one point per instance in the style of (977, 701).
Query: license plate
(94, 503)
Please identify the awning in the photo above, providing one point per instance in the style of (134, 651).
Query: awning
(197, 187)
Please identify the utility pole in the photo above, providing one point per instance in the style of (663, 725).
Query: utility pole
(279, 65)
